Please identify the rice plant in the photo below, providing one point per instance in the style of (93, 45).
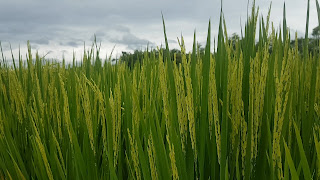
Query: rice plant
(248, 110)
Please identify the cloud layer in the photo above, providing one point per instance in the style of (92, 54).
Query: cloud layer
(63, 27)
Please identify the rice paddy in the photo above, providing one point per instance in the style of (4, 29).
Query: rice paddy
(248, 110)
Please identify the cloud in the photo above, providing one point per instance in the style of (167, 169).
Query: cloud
(71, 43)
(121, 34)
(100, 33)
(34, 46)
(41, 41)
(121, 28)
(5, 45)
(172, 41)
(133, 42)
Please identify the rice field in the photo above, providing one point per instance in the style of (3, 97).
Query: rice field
(248, 110)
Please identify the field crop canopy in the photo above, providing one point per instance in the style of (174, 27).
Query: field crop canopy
(248, 110)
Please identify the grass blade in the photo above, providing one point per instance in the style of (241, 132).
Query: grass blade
(305, 165)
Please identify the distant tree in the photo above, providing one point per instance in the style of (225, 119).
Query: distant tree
(201, 49)
(234, 39)
(177, 53)
(313, 45)
(316, 32)
(300, 44)
(315, 42)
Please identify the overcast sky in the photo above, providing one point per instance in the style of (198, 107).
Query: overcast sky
(59, 27)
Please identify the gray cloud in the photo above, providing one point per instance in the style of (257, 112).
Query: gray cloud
(121, 28)
(100, 33)
(34, 47)
(5, 45)
(71, 43)
(40, 41)
(172, 41)
(132, 41)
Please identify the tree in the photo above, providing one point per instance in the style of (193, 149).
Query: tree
(314, 44)
(316, 32)
(234, 38)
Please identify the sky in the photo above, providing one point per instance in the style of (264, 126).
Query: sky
(59, 28)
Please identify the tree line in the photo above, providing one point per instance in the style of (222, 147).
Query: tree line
(138, 55)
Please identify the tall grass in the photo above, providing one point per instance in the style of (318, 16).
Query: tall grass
(248, 111)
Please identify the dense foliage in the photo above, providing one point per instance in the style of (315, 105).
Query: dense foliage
(243, 112)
